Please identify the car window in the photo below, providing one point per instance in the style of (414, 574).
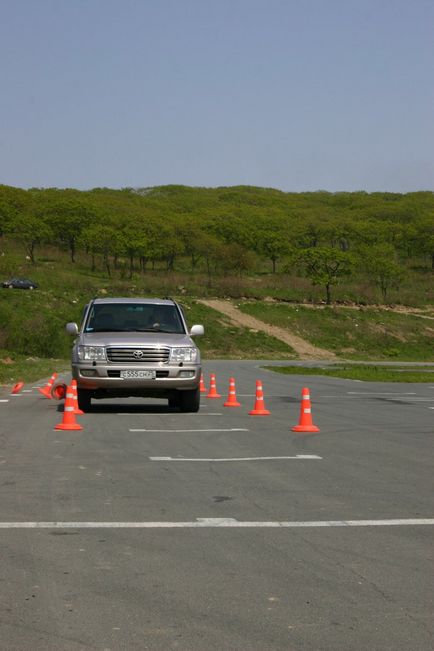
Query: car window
(140, 317)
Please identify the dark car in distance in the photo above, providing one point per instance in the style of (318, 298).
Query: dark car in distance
(19, 283)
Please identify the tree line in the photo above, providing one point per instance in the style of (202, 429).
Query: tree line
(322, 235)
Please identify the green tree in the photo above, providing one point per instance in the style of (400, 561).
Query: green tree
(325, 266)
(13, 202)
(272, 244)
(67, 218)
(424, 237)
(382, 268)
(31, 230)
(133, 243)
(103, 240)
(211, 248)
(189, 231)
(234, 258)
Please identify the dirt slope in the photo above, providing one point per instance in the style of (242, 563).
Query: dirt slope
(303, 348)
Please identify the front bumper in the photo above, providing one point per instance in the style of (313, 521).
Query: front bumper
(107, 377)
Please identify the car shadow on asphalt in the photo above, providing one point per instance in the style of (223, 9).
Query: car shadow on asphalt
(132, 409)
(122, 408)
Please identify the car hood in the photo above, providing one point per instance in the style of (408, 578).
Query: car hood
(138, 339)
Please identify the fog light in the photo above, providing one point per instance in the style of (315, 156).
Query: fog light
(186, 374)
(90, 372)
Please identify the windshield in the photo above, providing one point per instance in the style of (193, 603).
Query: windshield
(134, 317)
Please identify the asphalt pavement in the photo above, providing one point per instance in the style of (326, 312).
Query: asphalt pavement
(152, 529)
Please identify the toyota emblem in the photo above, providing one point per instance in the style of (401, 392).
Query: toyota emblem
(138, 354)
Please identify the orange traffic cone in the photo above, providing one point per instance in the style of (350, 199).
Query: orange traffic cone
(68, 421)
(46, 391)
(232, 396)
(259, 408)
(305, 424)
(202, 386)
(212, 388)
(58, 391)
(77, 409)
(17, 388)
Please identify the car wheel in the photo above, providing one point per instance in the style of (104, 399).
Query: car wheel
(84, 397)
(190, 400)
(174, 401)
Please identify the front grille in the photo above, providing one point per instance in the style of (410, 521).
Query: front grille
(118, 374)
(150, 355)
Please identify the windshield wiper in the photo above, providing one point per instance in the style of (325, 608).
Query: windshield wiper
(139, 330)
(104, 330)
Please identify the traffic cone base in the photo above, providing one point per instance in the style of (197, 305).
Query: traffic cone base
(305, 428)
(69, 426)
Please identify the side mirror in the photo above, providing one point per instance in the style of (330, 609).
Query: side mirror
(72, 329)
(197, 330)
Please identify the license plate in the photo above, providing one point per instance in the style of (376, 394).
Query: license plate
(138, 375)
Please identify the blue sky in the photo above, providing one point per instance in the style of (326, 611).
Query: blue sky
(293, 94)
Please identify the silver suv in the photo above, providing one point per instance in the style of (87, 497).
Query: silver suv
(136, 347)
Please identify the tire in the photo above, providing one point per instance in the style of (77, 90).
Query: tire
(189, 401)
(84, 397)
(174, 401)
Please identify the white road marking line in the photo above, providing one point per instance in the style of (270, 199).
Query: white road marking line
(201, 523)
(380, 393)
(27, 391)
(298, 456)
(22, 394)
(232, 429)
(386, 396)
(412, 399)
(5, 400)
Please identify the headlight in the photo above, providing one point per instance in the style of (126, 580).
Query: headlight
(183, 355)
(91, 353)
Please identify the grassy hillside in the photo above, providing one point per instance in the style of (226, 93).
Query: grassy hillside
(360, 333)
